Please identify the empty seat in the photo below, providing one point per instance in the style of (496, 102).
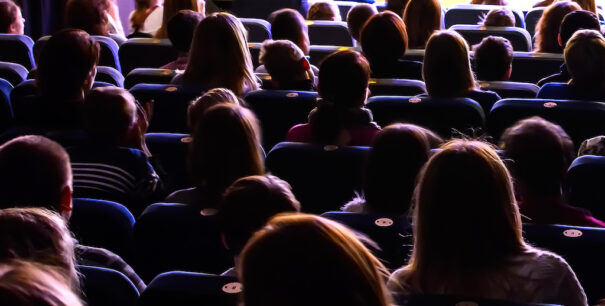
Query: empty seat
(396, 87)
(17, 49)
(331, 33)
(472, 14)
(531, 19)
(6, 110)
(442, 116)
(473, 34)
(585, 181)
(148, 76)
(107, 57)
(323, 178)
(170, 104)
(531, 67)
(511, 89)
(170, 159)
(102, 287)
(580, 119)
(279, 110)
(146, 53)
(13, 73)
(109, 75)
(258, 30)
(103, 224)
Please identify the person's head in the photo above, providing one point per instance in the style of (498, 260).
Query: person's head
(24, 283)
(357, 17)
(398, 153)
(422, 18)
(499, 17)
(199, 106)
(574, 21)
(493, 59)
(396, 6)
(540, 153)
(40, 236)
(384, 38)
(588, 5)
(226, 146)
(171, 8)
(340, 66)
(593, 146)
(324, 10)
(35, 173)
(219, 55)
(446, 68)
(87, 15)
(11, 20)
(547, 28)
(67, 65)
(249, 203)
(290, 25)
(585, 59)
(180, 29)
(285, 62)
(110, 115)
(300, 259)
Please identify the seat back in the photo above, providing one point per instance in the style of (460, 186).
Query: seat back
(108, 47)
(531, 19)
(473, 34)
(102, 287)
(396, 87)
(531, 67)
(109, 75)
(6, 110)
(331, 33)
(511, 89)
(170, 155)
(259, 30)
(13, 73)
(148, 76)
(442, 116)
(17, 49)
(318, 53)
(146, 53)
(585, 181)
(472, 14)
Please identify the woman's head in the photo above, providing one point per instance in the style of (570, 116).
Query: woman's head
(219, 55)
(87, 15)
(357, 17)
(587, 5)
(324, 10)
(446, 69)
(11, 20)
(422, 18)
(585, 59)
(213, 97)
(547, 28)
(226, 146)
(171, 8)
(343, 79)
(384, 38)
(308, 260)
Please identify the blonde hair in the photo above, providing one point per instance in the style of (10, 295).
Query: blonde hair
(547, 28)
(171, 8)
(198, 107)
(585, 59)
(422, 18)
(324, 10)
(219, 56)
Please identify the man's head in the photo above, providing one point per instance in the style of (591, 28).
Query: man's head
(290, 25)
(357, 17)
(574, 21)
(180, 29)
(110, 115)
(585, 59)
(500, 17)
(11, 20)
(493, 59)
(324, 10)
(285, 62)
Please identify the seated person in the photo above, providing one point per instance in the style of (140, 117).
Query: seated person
(396, 6)
(94, 17)
(499, 17)
(324, 10)
(247, 206)
(592, 146)
(113, 164)
(180, 32)
(572, 22)
(36, 172)
(540, 153)
(357, 17)
(287, 65)
(549, 24)
(11, 20)
(198, 107)
(146, 18)
(340, 117)
(585, 60)
(493, 59)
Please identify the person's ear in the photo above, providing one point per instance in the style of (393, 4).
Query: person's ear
(559, 39)
(508, 72)
(12, 29)
(90, 79)
(65, 202)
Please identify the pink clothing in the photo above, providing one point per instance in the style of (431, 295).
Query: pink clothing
(179, 64)
(359, 136)
(558, 213)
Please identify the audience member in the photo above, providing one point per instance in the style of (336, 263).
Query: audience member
(36, 173)
(572, 22)
(226, 147)
(93, 17)
(384, 40)
(198, 107)
(11, 20)
(180, 30)
(219, 57)
(447, 70)
(421, 18)
(493, 59)
(398, 153)
(466, 187)
(146, 17)
(324, 10)
(287, 65)
(499, 17)
(589, 5)
(340, 117)
(547, 28)
(593, 146)
(357, 17)
(308, 260)
(247, 206)
(540, 153)
(172, 7)
(290, 25)
(396, 6)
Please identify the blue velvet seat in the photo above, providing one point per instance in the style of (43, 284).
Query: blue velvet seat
(13, 73)
(258, 29)
(331, 33)
(472, 13)
(584, 185)
(473, 34)
(506, 89)
(102, 287)
(396, 87)
(17, 49)
(146, 53)
(170, 155)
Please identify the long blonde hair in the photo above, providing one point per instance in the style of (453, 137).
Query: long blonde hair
(171, 7)
(547, 28)
(219, 56)
(422, 18)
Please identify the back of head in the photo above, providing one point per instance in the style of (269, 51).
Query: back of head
(324, 10)
(585, 59)
(213, 97)
(493, 59)
(422, 18)
(577, 20)
(226, 146)
(24, 283)
(396, 6)
(284, 61)
(343, 78)
(110, 114)
(171, 8)
(446, 68)
(384, 38)
(8, 15)
(87, 15)
(180, 29)
(307, 260)
(249, 203)
(358, 16)
(499, 17)
(289, 24)
(540, 153)
(66, 63)
(397, 155)
(547, 28)
(35, 172)
(588, 5)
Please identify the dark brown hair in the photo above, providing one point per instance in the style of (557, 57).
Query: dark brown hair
(358, 16)
(87, 15)
(493, 58)
(384, 38)
(8, 15)
(422, 18)
(547, 28)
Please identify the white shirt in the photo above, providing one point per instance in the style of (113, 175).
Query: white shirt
(152, 23)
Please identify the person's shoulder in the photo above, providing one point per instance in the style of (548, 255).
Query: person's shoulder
(300, 133)
(397, 281)
(184, 196)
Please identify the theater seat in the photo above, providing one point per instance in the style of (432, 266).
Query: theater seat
(472, 14)
(584, 184)
(331, 33)
(148, 76)
(146, 53)
(6, 110)
(107, 57)
(13, 73)
(109, 75)
(170, 159)
(17, 49)
(473, 34)
(103, 287)
(507, 89)
(396, 87)
(531, 67)
(531, 19)
(563, 91)
(259, 30)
